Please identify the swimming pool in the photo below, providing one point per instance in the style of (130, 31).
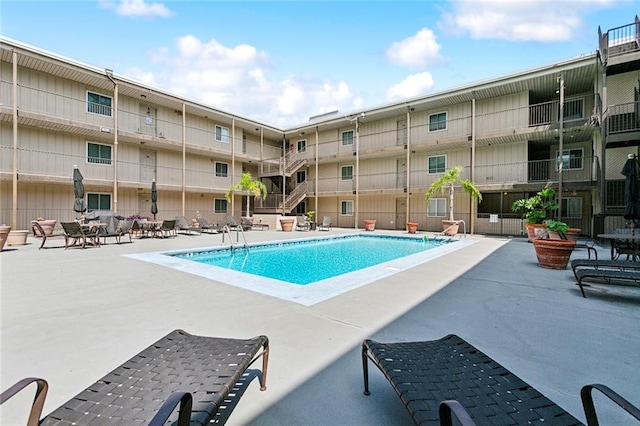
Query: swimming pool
(307, 270)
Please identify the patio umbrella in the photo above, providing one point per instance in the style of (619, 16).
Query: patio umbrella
(78, 190)
(154, 199)
(631, 188)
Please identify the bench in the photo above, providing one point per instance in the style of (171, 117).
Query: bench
(193, 372)
(437, 378)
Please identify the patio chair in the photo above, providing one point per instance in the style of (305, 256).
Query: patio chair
(205, 226)
(193, 373)
(167, 228)
(39, 232)
(325, 225)
(183, 225)
(437, 378)
(75, 233)
(302, 224)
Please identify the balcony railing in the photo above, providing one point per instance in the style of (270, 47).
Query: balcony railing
(623, 118)
(619, 41)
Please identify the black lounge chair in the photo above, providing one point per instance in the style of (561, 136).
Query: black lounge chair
(325, 225)
(193, 372)
(167, 229)
(39, 232)
(233, 225)
(183, 225)
(206, 227)
(437, 378)
(589, 244)
(74, 234)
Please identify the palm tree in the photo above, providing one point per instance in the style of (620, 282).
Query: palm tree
(252, 186)
(448, 180)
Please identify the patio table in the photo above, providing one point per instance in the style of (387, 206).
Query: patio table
(632, 239)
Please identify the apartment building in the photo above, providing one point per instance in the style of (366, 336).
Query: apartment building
(568, 125)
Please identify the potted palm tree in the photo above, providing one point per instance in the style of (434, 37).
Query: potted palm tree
(448, 181)
(251, 186)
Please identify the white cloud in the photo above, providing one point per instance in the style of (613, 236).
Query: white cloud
(137, 8)
(518, 20)
(412, 86)
(416, 51)
(237, 79)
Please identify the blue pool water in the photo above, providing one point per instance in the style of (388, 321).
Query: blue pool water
(305, 262)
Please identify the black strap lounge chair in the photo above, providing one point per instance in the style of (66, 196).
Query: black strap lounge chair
(39, 232)
(325, 225)
(192, 373)
(302, 224)
(437, 378)
(183, 225)
(75, 234)
(206, 227)
(232, 224)
(588, 244)
(167, 228)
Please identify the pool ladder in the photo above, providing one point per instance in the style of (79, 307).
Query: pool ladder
(227, 230)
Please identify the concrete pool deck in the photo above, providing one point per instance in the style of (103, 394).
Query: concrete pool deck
(71, 316)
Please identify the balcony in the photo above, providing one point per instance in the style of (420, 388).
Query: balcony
(620, 48)
(623, 125)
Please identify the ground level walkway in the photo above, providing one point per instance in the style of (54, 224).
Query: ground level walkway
(70, 316)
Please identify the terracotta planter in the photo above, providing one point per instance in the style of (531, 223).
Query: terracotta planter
(412, 227)
(369, 224)
(536, 230)
(573, 234)
(47, 226)
(287, 224)
(4, 233)
(450, 227)
(17, 238)
(553, 254)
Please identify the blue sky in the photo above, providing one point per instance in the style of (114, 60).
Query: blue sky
(282, 62)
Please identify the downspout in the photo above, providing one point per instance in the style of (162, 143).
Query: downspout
(408, 171)
(285, 150)
(357, 170)
(109, 74)
(184, 155)
(474, 204)
(315, 189)
(14, 213)
(233, 166)
(560, 145)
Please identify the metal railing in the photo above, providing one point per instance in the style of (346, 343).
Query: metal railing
(623, 118)
(620, 40)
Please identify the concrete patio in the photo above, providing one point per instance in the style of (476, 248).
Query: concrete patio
(71, 316)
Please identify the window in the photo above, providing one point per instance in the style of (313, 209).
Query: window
(572, 208)
(98, 153)
(222, 170)
(346, 172)
(98, 201)
(346, 208)
(437, 207)
(437, 164)
(571, 159)
(98, 104)
(302, 145)
(347, 138)
(220, 205)
(222, 134)
(301, 176)
(438, 121)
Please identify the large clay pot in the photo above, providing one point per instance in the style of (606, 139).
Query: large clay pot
(536, 230)
(17, 238)
(47, 226)
(553, 254)
(573, 234)
(4, 233)
(412, 227)
(450, 227)
(287, 224)
(369, 224)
